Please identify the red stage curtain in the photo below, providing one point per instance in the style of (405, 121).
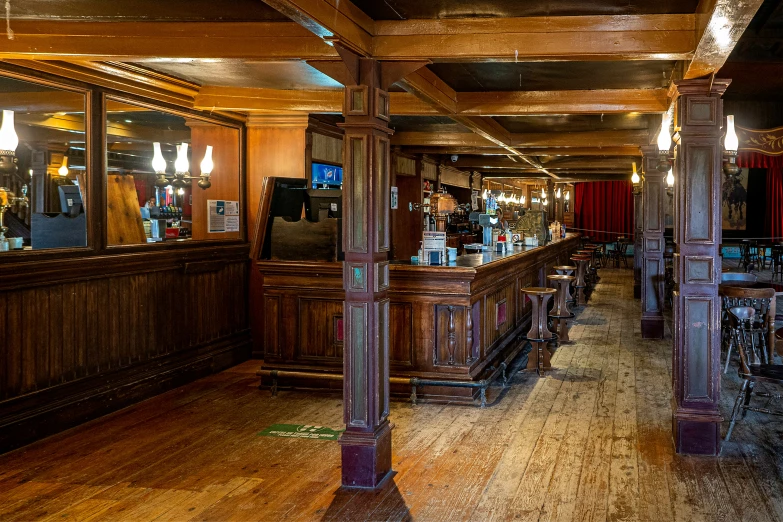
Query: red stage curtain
(773, 223)
(604, 209)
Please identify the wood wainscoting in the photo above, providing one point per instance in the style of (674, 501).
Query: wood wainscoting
(82, 337)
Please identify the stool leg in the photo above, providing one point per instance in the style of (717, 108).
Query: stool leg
(563, 332)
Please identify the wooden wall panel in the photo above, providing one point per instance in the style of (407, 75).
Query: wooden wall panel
(401, 336)
(327, 149)
(64, 342)
(317, 338)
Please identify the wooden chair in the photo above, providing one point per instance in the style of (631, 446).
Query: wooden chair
(755, 368)
(619, 252)
(760, 300)
(777, 261)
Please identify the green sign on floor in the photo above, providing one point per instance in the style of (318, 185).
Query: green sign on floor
(300, 431)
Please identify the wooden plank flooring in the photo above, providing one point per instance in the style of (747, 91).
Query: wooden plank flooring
(589, 442)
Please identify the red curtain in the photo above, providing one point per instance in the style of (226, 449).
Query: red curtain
(773, 224)
(604, 209)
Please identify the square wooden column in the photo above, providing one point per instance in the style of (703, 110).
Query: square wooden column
(637, 244)
(653, 223)
(698, 121)
(366, 442)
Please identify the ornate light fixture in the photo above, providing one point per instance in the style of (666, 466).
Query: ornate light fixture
(181, 168)
(558, 193)
(664, 144)
(670, 182)
(567, 196)
(730, 147)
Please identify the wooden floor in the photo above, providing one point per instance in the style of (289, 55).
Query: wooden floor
(591, 441)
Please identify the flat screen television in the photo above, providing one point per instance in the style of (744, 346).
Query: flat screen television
(326, 176)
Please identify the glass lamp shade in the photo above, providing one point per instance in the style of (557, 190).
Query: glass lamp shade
(206, 163)
(635, 177)
(670, 178)
(558, 193)
(182, 165)
(731, 143)
(63, 170)
(567, 196)
(8, 138)
(158, 162)
(664, 138)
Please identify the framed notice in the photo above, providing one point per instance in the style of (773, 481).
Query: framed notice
(223, 216)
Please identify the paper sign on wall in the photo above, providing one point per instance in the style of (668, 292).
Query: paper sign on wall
(223, 216)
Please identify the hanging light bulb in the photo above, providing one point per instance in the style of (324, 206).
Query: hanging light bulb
(182, 166)
(522, 200)
(731, 143)
(170, 189)
(635, 179)
(670, 178)
(158, 161)
(8, 138)
(63, 170)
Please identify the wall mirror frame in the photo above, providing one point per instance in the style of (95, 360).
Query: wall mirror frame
(191, 116)
(65, 86)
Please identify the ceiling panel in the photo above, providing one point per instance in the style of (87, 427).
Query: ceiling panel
(433, 9)
(233, 73)
(574, 122)
(158, 10)
(550, 76)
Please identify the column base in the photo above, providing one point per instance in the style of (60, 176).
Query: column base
(697, 433)
(652, 327)
(366, 457)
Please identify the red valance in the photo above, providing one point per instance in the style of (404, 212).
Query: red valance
(773, 222)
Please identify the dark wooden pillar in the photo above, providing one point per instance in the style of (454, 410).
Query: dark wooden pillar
(550, 208)
(637, 244)
(697, 233)
(653, 223)
(366, 442)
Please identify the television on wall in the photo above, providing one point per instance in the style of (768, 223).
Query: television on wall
(326, 176)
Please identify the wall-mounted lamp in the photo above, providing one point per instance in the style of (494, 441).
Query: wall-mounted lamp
(636, 180)
(670, 178)
(63, 170)
(181, 168)
(8, 143)
(567, 196)
(664, 144)
(558, 193)
(730, 147)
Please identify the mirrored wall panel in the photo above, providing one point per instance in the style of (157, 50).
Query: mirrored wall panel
(170, 177)
(42, 167)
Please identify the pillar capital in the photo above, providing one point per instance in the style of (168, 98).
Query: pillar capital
(288, 121)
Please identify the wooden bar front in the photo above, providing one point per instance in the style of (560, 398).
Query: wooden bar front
(450, 323)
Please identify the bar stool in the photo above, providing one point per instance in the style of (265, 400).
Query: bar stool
(571, 271)
(560, 312)
(595, 259)
(589, 273)
(580, 284)
(539, 335)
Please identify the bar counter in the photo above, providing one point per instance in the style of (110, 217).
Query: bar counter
(451, 327)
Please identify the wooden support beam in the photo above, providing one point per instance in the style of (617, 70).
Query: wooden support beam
(601, 101)
(544, 151)
(592, 139)
(140, 41)
(283, 101)
(562, 163)
(629, 37)
(333, 20)
(720, 23)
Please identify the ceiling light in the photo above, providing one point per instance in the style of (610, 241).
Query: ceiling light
(63, 170)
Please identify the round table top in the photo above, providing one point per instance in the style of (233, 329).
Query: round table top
(580, 258)
(538, 290)
(564, 267)
(558, 277)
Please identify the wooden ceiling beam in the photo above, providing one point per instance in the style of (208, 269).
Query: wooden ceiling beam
(597, 140)
(499, 162)
(499, 151)
(332, 20)
(629, 37)
(719, 25)
(600, 101)
(142, 41)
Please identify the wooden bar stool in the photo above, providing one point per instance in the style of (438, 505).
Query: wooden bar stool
(571, 271)
(539, 335)
(560, 312)
(594, 261)
(581, 284)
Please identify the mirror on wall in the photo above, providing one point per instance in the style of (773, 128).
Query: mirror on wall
(170, 177)
(42, 167)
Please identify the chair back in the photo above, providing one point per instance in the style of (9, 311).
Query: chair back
(741, 322)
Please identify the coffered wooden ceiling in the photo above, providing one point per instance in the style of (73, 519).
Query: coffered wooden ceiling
(561, 88)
